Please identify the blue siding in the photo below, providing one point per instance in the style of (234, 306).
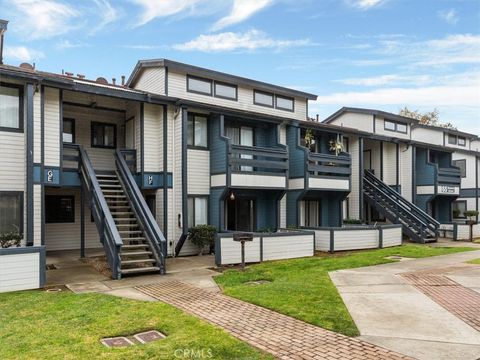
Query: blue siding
(215, 207)
(425, 173)
(218, 147)
(296, 155)
(267, 210)
(292, 207)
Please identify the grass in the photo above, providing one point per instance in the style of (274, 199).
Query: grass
(302, 288)
(40, 325)
(474, 261)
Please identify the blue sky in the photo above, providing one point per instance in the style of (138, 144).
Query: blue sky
(382, 54)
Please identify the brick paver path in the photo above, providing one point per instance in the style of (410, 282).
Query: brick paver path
(280, 335)
(457, 299)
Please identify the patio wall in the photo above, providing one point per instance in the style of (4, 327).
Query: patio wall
(265, 246)
(357, 237)
(459, 231)
(22, 268)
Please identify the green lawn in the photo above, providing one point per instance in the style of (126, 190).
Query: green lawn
(474, 261)
(302, 288)
(41, 325)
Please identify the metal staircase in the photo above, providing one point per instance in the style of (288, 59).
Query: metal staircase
(130, 236)
(416, 223)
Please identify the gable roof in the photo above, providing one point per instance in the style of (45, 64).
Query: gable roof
(381, 113)
(215, 75)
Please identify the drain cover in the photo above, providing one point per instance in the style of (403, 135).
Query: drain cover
(257, 282)
(119, 341)
(149, 336)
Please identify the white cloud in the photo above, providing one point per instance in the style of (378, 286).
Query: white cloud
(241, 10)
(108, 14)
(22, 53)
(67, 44)
(364, 4)
(449, 16)
(162, 8)
(386, 80)
(230, 41)
(38, 19)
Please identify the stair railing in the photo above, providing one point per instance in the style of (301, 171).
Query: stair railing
(109, 235)
(153, 234)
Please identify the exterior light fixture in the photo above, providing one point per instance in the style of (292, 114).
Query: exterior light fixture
(232, 196)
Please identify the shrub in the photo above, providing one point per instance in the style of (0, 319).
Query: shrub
(352, 221)
(456, 213)
(10, 239)
(202, 235)
(470, 213)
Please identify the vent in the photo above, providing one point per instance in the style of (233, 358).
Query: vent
(102, 81)
(27, 66)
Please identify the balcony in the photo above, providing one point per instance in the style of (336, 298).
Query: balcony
(448, 180)
(327, 171)
(255, 167)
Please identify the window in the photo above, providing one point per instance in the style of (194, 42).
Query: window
(452, 139)
(402, 128)
(11, 108)
(225, 91)
(104, 135)
(151, 201)
(262, 98)
(11, 212)
(197, 131)
(462, 141)
(311, 213)
(462, 164)
(197, 210)
(199, 85)
(69, 131)
(389, 125)
(284, 103)
(59, 209)
(459, 208)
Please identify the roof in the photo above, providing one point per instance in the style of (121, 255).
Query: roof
(447, 130)
(215, 75)
(381, 113)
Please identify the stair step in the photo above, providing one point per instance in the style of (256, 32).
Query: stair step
(115, 196)
(138, 238)
(138, 246)
(138, 261)
(130, 231)
(109, 191)
(126, 225)
(135, 253)
(140, 270)
(108, 176)
(121, 213)
(124, 219)
(107, 182)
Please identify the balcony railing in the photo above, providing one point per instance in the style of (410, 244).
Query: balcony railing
(449, 176)
(329, 165)
(257, 159)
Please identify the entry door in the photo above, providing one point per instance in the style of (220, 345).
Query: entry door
(240, 214)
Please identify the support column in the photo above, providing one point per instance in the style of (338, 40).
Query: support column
(29, 163)
(82, 221)
(360, 185)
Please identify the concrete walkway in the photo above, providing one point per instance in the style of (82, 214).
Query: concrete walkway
(280, 335)
(391, 312)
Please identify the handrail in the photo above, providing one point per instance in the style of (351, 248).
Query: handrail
(270, 159)
(152, 232)
(259, 149)
(109, 235)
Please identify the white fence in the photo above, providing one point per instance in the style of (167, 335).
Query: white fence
(22, 268)
(459, 231)
(265, 246)
(357, 237)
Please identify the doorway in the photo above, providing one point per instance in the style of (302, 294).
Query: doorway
(240, 214)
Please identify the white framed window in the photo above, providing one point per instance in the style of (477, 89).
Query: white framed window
(462, 164)
(452, 139)
(389, 125)
(395, 126)
(68, 135)
(462, 141)
(197, 210)
(459, 207)
(284, 103)
(197, 131)
(226, 91)
(402, 128)
(262, 98)
(11, 212)
(11, 108)
(199, 85)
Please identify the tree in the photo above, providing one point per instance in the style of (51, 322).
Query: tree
(428, 118)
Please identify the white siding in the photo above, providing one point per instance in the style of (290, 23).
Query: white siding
(283, 134)
(390, 163)
(177, 87)
(354, 204)
(429, 136)
(152, 80)
(322, 240)
(406, 171)
(231, 251)
(198, 172)
(12, 161)
(19, 272)
(283, 211)
(37, 128)
(287, 247)
(356, 239)
(102, 159)
(469, 181)
(153, 137)
(66, 236)
(392, 237)
(37, 215)
(52, 127)
(363, 122)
